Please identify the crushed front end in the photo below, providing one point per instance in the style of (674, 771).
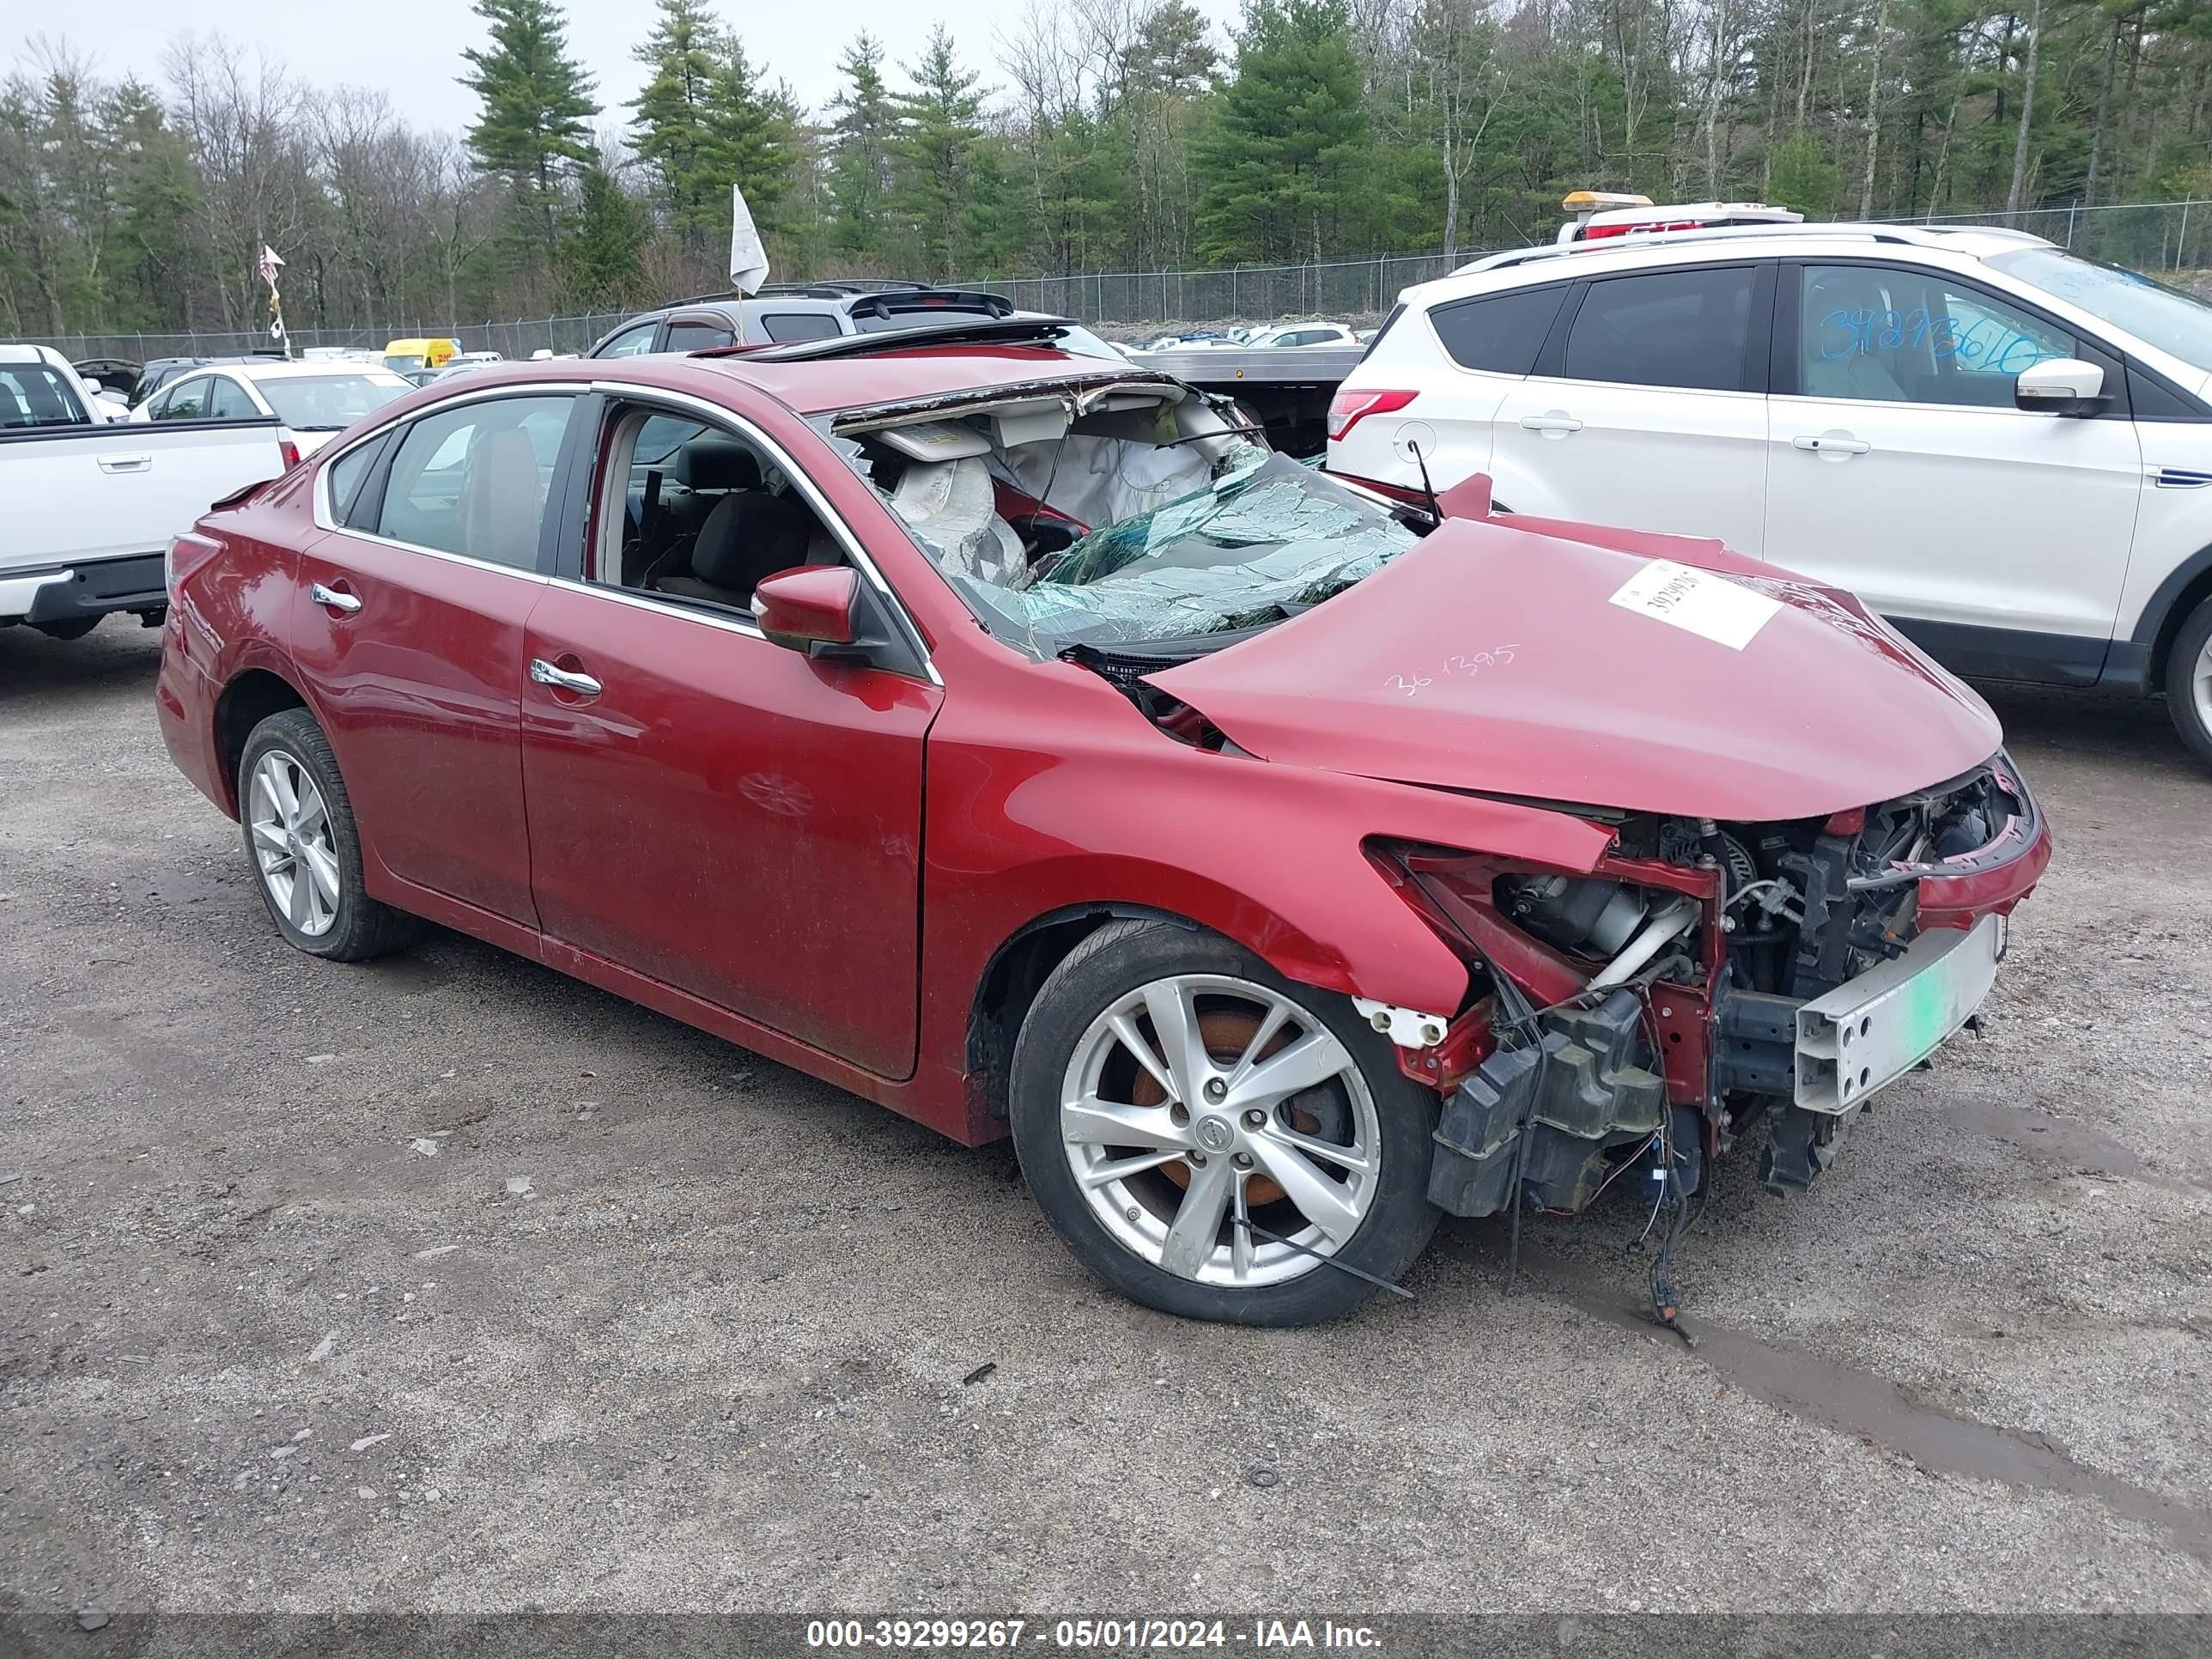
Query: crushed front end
(1706, 976)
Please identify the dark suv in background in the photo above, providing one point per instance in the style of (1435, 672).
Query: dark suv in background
(784, 312)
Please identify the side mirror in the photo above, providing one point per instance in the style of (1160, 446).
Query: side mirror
(2060, 385)
(812, 605)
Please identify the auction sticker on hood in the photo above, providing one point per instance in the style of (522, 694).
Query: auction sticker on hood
(1699, 601)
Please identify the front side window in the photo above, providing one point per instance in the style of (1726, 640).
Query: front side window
(32, 394)
(1687, 329)
(189, 402)
(1889, 334)
(1499, 335)
(698, 513)
(475, 480)
(698, 335)
(633, 341)
(329, 403)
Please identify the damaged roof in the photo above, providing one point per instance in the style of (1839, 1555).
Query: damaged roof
(915, 373)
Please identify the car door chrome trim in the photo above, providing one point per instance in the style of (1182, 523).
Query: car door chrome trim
(642, 601)
(2179, 477)
(831, 519)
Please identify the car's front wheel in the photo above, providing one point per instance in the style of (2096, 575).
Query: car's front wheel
(305, 848)
(2189, 682)
(1213, 1140)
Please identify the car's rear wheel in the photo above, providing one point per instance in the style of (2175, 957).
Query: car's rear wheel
(1213, 1140)
(304, 846)
(2189, 682)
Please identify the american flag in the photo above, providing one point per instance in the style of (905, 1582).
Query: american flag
(269, 265)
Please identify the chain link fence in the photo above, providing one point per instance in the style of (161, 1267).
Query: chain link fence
(2155, 236)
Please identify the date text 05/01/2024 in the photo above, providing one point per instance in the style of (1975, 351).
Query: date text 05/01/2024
(1257, 1635)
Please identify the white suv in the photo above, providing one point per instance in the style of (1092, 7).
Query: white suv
(2004, 449)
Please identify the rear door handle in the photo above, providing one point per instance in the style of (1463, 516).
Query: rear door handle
(1557, 421)
(126, 463)
(335, 599)
(1830, 445)
(546, 674)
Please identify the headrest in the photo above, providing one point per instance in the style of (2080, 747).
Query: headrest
(717, 463)
(749, 534)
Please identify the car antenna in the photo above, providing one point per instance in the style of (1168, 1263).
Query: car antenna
(1436, 509)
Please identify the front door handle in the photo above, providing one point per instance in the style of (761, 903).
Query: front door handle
(1831, 443)
(126, 463)
(1555, 423)
(546, 674)
(335, 599)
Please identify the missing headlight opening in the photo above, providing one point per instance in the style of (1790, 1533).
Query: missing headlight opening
(1707, 977)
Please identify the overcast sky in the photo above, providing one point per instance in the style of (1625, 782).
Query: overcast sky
(411, 49)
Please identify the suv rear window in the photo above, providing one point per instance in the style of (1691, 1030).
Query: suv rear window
(1675, 328)
(1501, 334)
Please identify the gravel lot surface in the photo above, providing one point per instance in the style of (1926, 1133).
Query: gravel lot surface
(447, 1282)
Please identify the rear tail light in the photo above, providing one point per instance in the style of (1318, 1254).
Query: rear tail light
(289, 451)
(1353, 404)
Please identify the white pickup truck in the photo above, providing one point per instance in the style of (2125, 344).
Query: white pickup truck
(91, 504)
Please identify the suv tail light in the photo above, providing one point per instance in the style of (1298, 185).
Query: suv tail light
(289, 451)
(1353, 404)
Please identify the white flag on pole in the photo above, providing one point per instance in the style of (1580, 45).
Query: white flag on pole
(747, 258)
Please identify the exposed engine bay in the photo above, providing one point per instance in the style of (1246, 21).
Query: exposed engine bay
(1710, 976)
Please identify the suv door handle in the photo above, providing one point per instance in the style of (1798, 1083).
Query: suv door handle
(126, 463)
(335, 599)
(1557, 422)
(546, 674)
(1829, 444)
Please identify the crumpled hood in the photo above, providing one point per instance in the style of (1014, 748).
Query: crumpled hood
(1516, 663)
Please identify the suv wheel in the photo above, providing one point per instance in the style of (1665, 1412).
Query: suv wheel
(2189, 682)
(1213, 1140)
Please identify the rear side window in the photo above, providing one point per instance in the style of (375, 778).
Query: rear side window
(32, 394)
(798, 326)
(189, 402)
(474, 480)
(227, 401)
(698, 336)
(1673, 328)
(347, 473)
(1500, 335)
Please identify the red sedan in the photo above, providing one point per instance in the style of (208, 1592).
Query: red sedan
(1011, 738)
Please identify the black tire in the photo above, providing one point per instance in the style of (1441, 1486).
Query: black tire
(1114, 961)
(2190, 716)
(361, 928)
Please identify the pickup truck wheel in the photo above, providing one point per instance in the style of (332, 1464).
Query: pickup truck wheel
(304, 849)
(2189, 682)
(1213, 1140)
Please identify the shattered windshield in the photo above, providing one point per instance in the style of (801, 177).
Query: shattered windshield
(1134, 529)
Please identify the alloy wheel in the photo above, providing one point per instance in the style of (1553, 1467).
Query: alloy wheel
(2200, 686)
(1221, 1132)
(291, 833)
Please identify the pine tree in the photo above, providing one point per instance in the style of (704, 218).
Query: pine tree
(157, 202)
(672, 126)
(861, 137)
(1284, 153)
(751, 129)
(939, 166)
(602, 261)
(538, 104)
